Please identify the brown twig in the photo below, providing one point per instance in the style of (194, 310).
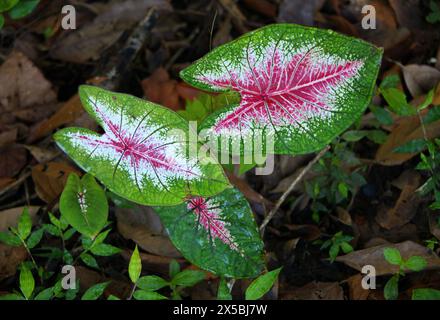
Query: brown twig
(291, 187)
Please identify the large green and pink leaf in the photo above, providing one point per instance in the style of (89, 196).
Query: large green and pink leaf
(143, 155)
(217, 234)
(301, 86)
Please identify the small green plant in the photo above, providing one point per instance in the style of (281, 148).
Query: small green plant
(16, 9)
(426, 294)
(339, 242)
(414, 263)
(334, 183)
(434, 15)
(145, 287)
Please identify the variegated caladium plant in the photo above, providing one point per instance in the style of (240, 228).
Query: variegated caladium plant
(216, 233)
(301, 86)
(143, 154)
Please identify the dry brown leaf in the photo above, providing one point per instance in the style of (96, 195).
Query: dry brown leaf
(9, 218)
(434, 228)
(92, 39)
(10, 259)
(315, 291)
(71, 110)
(299, 11)
(374, 256)
(159, 88)
(50, 179)
(143, 226)
(42, 155)
(355, 289)
(247, 191)
(420, 78)
(405, 129)
(406, 205)
(88, 278)
(264, 7)
(12, 160)
(23, 86)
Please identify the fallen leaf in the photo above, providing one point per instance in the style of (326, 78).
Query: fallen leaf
(12, 160)
(143, 226)
(298, 11)
(159, 88)
(420, 78)
(355, 289)
(405, 129)
(315, 291)
(50, 179)
(42, 155)
(374, 256)
(23, 89)
(10, 259)
(92, 39)
(406, 205)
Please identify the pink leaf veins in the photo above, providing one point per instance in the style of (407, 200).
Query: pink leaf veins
(208, 216)
(282, 90)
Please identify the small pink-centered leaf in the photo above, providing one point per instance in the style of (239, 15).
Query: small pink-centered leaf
(216, 233)
(143, 154)
(302, 86)
(209, 217)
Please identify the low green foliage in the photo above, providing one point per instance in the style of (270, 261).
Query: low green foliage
(393, 256)
(16, 9)
(339, 242)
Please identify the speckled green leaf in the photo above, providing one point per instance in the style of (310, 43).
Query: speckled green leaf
(217, 234)
(143, 155)
(300, 86)
(84, 205)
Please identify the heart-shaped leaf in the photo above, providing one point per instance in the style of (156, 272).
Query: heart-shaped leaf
(143, 154)
(300, 86)
(217, 234)
(84, 205)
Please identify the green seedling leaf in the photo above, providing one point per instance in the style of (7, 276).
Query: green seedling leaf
(2, 21)
(148, 295)
(382, 115)
(260, 286)
(426, 294)
(223, 290)
(415, 263)
(35, 238)
(24, 224)
(84, 205)
(428, 100)
(135, 266)
(433, 115)
(354, 135)
(391, 81)
(10, 239)
(151, 283)
(89, 260)
(217, 234)
(27, 282)
(143, 154)
(300, 86)
(94, 292)
(391, 289)
(188, 278)
(23, 9)
(174, 268)
(6, 5)
(45, 294)
(392, 256)
(397, 103)
(10, 297)
(104, 250)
